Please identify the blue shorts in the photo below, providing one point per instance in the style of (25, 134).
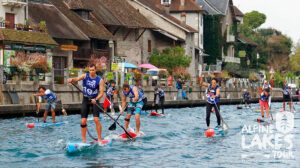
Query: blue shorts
(50, 106)
(135, 108)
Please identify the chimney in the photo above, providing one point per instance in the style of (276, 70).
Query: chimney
(166, 5)
(182, 2)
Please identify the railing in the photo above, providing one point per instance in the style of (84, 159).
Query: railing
(211, 68)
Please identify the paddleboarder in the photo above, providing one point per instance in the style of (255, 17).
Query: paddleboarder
(159, 98)
(264, 103)
(286, 95)
(135, 105)
(110, 91)
(213, 101)
(93, 89)
(50, 98)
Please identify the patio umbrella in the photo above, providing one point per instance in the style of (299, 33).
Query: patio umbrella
(148, 66)
(129, 65)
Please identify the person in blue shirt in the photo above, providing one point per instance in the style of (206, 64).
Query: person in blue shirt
(50, 98)
(110, 92)
(246, 98)
(159, 98)
(93, 91)
(135, 105)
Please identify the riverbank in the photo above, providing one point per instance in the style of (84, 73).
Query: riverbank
(17, 110)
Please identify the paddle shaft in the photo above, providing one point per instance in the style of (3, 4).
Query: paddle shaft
(220, 113)
(130, 137)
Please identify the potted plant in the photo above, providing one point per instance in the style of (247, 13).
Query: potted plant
(59, 79)
(42, 26)
(20, 26)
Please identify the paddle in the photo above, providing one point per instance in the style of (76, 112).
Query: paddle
(113, 126)
(291, 95)
(225, 126)
(37, 110)
(270, 107)
(130, 137)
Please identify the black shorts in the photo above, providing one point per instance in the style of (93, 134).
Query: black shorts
(85, 108)
(286, 98)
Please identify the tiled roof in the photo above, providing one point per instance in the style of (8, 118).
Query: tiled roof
(214, 7)
(159, 9)
(189, 6)
(77, 4)
(237, 12)
(58, 25)
(88, 27)
(119, 13)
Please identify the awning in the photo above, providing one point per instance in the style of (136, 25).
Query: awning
(167, 34)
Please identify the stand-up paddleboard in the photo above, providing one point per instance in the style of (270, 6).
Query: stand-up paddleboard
(43, 125)
(73, 147)
(156, 114)
(124, 136)
(144, 112)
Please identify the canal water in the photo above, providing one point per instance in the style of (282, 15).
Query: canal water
(176, 140)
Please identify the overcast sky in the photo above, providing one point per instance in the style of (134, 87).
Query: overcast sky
(283, 15)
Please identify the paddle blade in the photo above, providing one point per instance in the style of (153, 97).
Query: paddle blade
(225, 127)
(112, 127)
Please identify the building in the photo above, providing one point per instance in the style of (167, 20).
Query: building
(169, 30)
(18, 35)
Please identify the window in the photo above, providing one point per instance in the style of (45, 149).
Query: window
(84, 14)
(166, 2)
(149, 46)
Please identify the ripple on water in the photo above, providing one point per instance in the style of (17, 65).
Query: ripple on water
(176, 140)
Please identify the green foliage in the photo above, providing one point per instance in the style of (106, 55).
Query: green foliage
(170, 58)
(290, 75)
(279, 79)
(146, 77)
(254, 19)
(295, 60)
(109, 76)
(213, 39)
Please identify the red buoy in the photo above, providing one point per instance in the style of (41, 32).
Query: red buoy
(209, 133)
(30, 125)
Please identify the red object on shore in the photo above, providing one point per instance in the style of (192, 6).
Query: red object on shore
(30, 125)
(209, 133)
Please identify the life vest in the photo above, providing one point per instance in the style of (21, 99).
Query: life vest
(49, 96)
(91, 86)
(130, 94)
(212, 91)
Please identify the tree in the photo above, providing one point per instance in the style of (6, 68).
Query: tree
(170, 58)
(295, 60)
(254, 19)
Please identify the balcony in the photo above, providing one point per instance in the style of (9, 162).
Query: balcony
(85, 54)
(14, 3)
(230, 38)
(231, 59)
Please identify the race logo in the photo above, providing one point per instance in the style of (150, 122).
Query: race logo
(91, 83)
(285, 122)
(269, 139)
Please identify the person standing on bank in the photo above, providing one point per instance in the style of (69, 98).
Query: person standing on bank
(93, 91)
(159, 98)
(50, 97)
(213, 101)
